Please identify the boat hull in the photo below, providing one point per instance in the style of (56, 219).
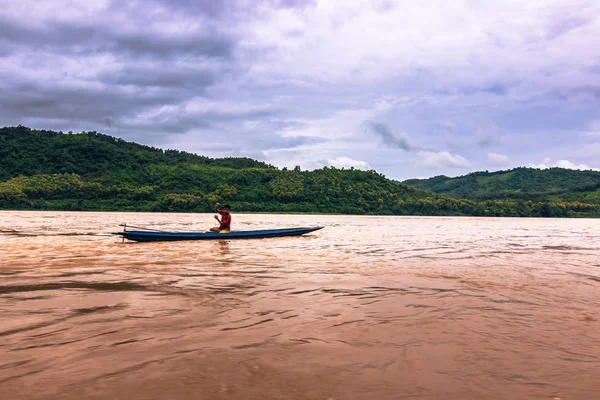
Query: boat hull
(150, 236)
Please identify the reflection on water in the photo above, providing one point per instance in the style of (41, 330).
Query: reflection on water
(370, 307)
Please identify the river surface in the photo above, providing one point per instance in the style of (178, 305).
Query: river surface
(368, 308)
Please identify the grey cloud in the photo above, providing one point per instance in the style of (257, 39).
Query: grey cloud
(292, 3)
(210, 44)
(147, 122)
(162, 76)
(217, 116)
(494, 88)
(487, 137)
(449, 127)
(209, 8)
(389, 138)
(227, 9)
(217, 140)
(129, 101)
(97, 37)
(131, 114)
(485, 140)
(156, 68)
(36, 99)
(580, 91)
(269, 142)
(564, 25)
(178, 120)
(383, 6)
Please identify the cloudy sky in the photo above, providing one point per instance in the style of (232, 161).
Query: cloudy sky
(410, 88)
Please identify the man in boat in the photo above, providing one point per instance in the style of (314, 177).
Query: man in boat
(224, 222)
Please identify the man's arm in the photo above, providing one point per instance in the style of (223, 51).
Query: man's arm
(217, 207)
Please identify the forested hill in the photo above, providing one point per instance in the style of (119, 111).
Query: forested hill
(91, 155)
(91, 171)
(553, 184)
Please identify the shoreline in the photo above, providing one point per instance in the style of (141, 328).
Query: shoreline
(307, 213)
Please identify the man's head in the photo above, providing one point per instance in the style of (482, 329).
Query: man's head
(226, 208)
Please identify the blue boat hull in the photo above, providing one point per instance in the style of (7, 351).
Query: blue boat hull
(150, 236)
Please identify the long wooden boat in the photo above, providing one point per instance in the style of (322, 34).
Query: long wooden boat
(152, 236)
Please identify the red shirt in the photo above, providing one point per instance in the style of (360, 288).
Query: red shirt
(225, 220)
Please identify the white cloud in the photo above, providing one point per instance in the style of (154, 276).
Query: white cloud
(500, 160)
(544, 165)
(317, 155)
(441, 159)
(571, 165)
(464, 41)
(547, 163)
(346, 162)
(341, 124)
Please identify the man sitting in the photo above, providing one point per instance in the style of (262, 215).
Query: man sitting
(224, 222)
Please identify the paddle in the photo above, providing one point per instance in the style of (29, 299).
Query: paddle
(217, 216)
(125, 226)
(216, 208)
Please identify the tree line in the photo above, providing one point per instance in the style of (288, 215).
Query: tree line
(322, 191)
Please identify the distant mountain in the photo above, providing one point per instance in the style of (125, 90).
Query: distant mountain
(553, 184)
(91, 171)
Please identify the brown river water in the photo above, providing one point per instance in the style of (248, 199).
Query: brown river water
(368, 308)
